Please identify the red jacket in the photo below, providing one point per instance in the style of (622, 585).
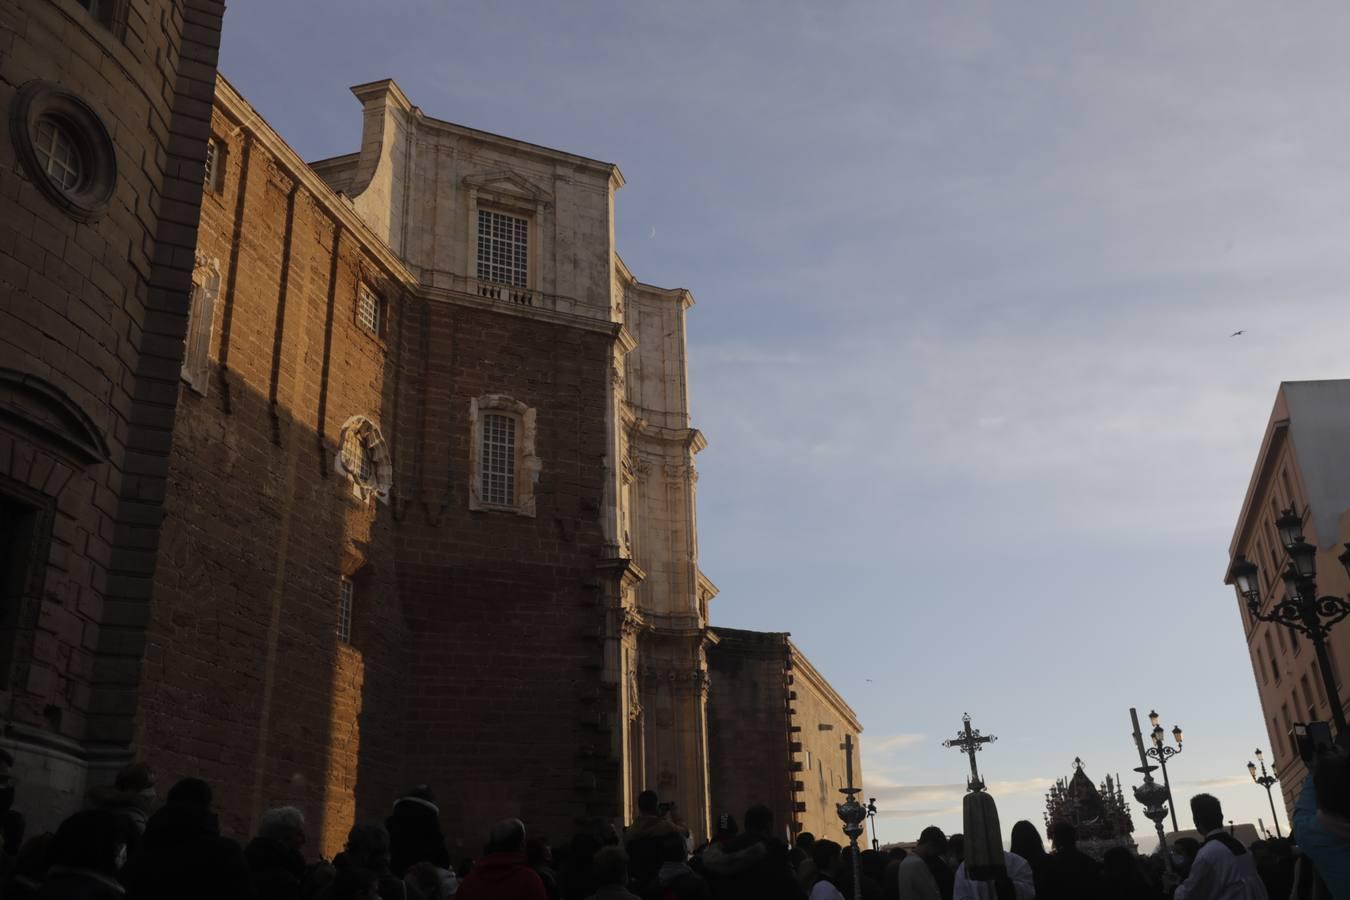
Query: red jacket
(502, 876)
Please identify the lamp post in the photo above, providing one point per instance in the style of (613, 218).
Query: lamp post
(1152, 796)
(1301, 610)
(852, 813)
(872, 822)
(1162, 753)
(1266, 781)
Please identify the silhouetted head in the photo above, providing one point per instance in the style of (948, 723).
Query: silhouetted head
(285, 825)
(648, 802)
(727, 828)
(1206, 812)
(1187, 847)
(1120, 866)
(897, 853)
(932, 842)
(1331, 782)
(368, 847)
(190, 793)
(804, 841)
(507, 836)
(1064, 835)
(825, 854)
(956, 847)
(759, 820)
(1026, 841)
(610, 866)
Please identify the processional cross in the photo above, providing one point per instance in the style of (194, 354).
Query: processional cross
(969, 741)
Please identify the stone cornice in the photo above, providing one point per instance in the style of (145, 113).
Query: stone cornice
(802, 668)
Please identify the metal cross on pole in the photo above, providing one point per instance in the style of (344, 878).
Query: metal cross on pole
(969, 741)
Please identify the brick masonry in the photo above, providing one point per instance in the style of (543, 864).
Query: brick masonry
(91, 323)
(774, 731)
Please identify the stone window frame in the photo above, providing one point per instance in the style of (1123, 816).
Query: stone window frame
(528, 465)
(380, 479)
(205, 290)
(504, 191)
(364, 288)
(111, 14)
(37, 99)
(214, 162)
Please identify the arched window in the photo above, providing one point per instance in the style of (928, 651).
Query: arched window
(363, 457)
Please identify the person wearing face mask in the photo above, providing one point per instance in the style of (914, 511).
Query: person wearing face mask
(134, 798)
(88, 852)
(11, 820)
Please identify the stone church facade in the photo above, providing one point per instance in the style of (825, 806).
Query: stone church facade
(359, 473)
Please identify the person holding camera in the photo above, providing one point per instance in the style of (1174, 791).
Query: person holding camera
(1322, 817)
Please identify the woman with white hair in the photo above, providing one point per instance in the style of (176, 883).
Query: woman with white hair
(275, 860)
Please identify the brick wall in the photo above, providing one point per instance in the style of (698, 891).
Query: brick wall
(91, 319)
(748, 737)
(476, 648)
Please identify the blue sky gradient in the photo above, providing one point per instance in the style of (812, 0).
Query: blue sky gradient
(966, 275)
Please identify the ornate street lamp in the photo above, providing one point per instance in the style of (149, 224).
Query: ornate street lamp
(1265, 781)
(1162, 753)
(852, 813)
(1301, 610)
(1152, 796)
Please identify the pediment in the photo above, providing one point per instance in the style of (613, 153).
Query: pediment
(43, 410)
(508, 184)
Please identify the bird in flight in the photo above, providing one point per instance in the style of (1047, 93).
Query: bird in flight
(1238, 332)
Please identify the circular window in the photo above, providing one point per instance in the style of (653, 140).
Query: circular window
(64, 148)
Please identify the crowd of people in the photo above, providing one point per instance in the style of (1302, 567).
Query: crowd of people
(125, 844)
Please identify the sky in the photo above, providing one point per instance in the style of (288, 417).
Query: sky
(966, 275)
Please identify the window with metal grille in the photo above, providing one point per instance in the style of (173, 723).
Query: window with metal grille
(368, 306)
(356, 456)
(346, 591)
(503, 248)
(499, 459)
(58, 153)
(213, 177)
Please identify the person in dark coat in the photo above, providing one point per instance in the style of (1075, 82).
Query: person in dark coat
(275, 861)
(1072, 873)
(642, 839)
(1122, 877)
(675, 879)
(415, 832)
(367, 850)
(1027, 843)
(503, 873)
(755, 866)
(183, 855)
(87, 853)
(30, 868)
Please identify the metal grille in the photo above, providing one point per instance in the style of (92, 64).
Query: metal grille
(356, 456)
(368, 309)
(58, 154)
(499, 460)
(503, 248)
(346, 590)
(209, 178)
